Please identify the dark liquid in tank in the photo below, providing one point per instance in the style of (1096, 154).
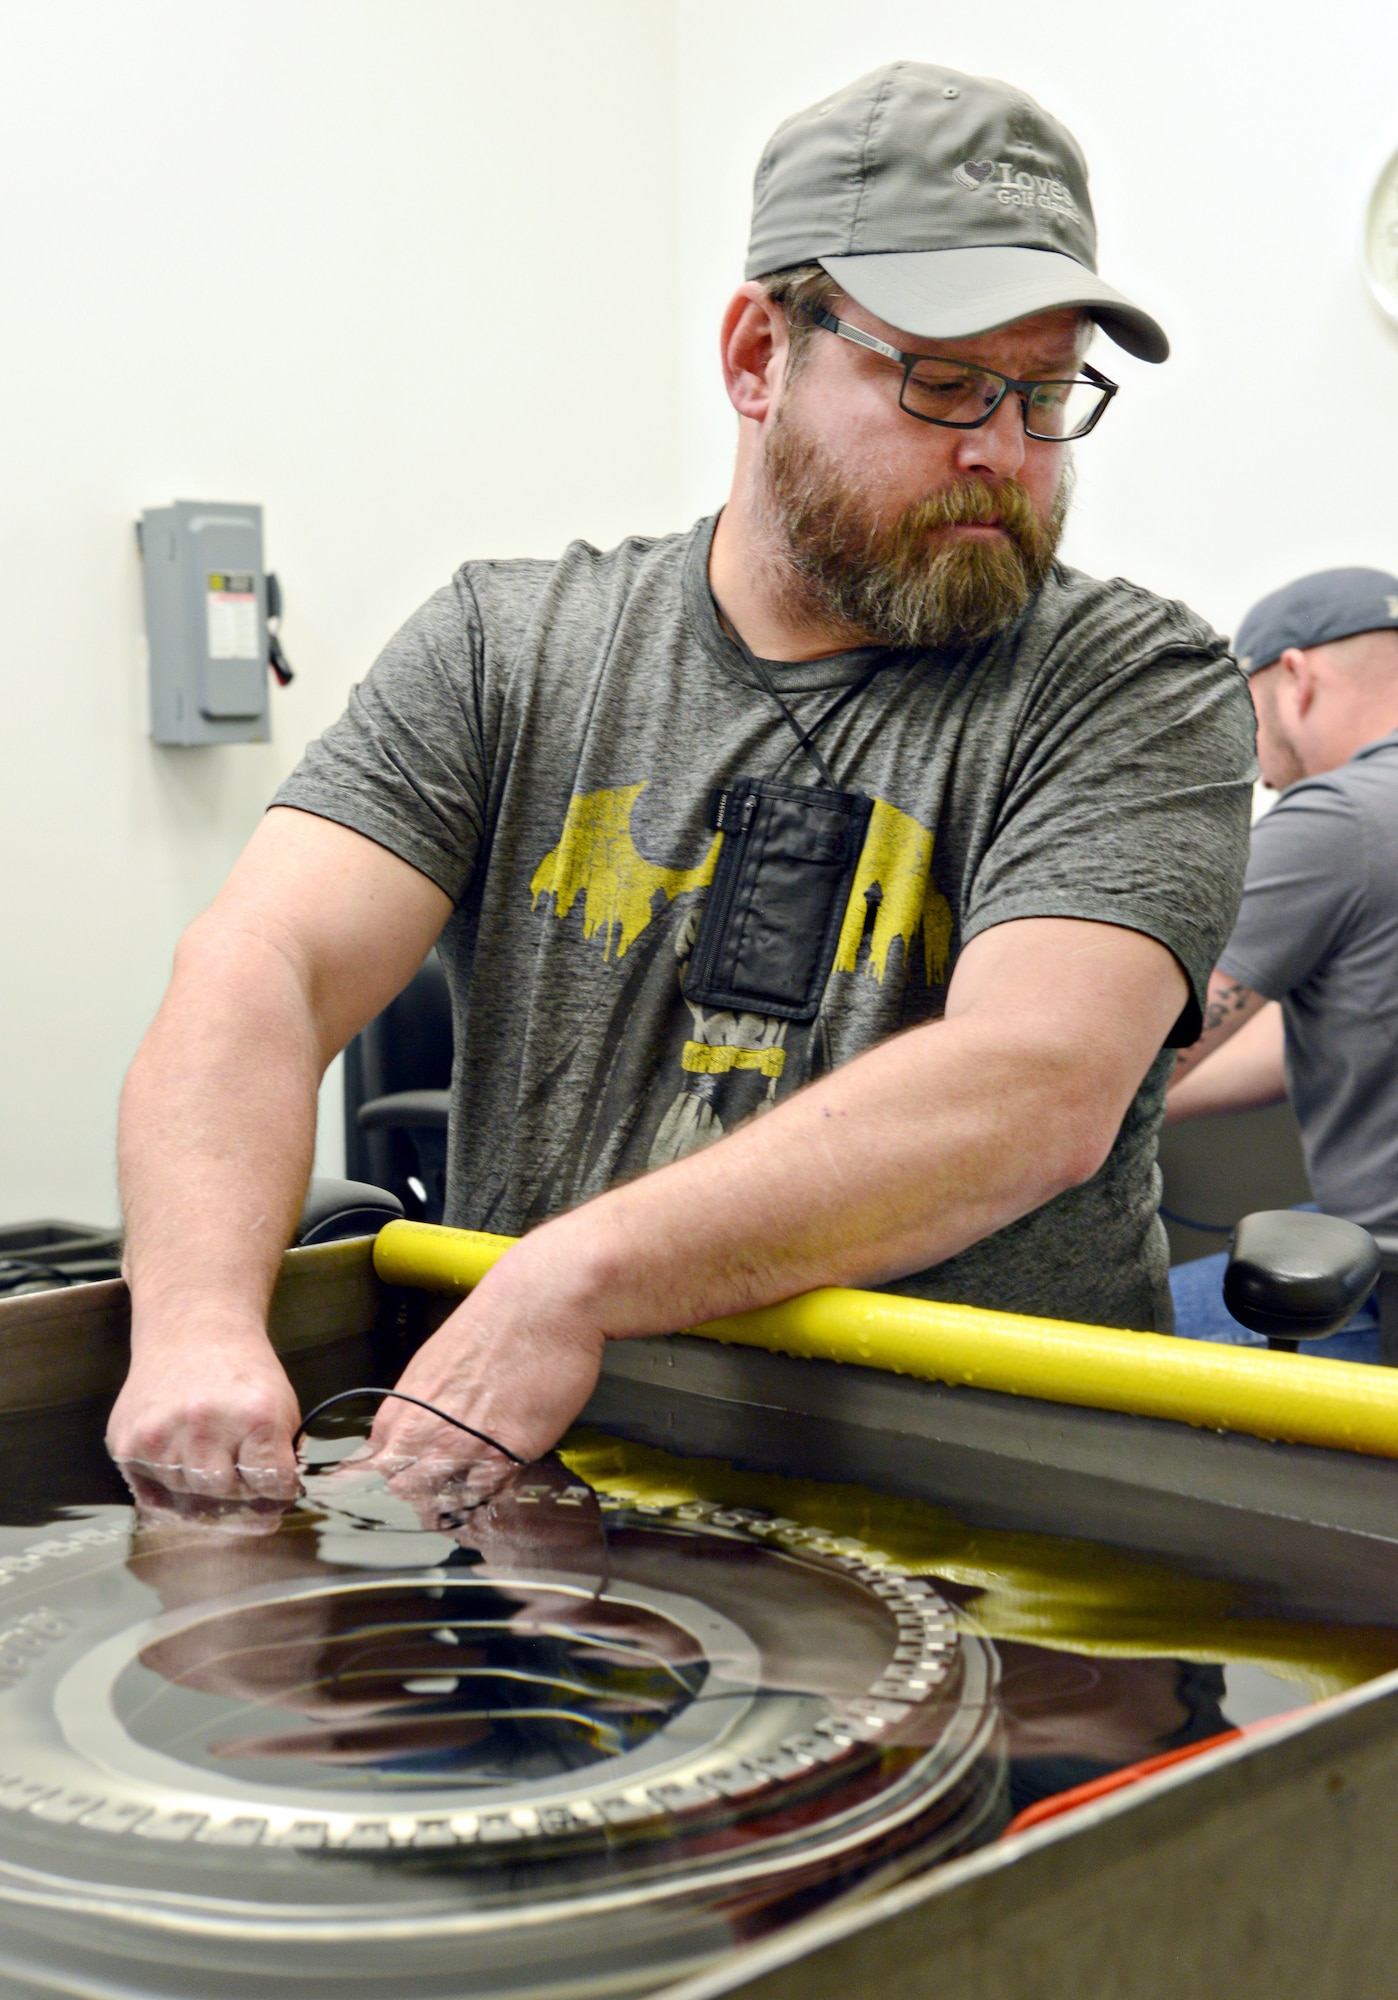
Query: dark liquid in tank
(584, 1733)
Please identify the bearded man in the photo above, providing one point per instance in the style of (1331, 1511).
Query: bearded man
(852, 808)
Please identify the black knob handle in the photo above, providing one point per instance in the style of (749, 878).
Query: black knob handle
(1297, 1276)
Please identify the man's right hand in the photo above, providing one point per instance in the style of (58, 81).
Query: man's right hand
(207, 1409)
(315, 931)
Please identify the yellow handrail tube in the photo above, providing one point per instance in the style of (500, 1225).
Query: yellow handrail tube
(1290, 1398)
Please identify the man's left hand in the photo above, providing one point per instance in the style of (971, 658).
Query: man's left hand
(517, 1360)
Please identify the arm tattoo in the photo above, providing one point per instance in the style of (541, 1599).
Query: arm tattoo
(1225, 1003)
(1227, 1009)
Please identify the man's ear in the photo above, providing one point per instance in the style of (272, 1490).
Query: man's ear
(755, 344)
(1298, 677)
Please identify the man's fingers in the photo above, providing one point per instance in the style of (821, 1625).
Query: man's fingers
(214, 1473)
(217, 1478)
(220, 1470)
(148, 1488)
(266, 1463)
(165, 1495)
(208, 1426)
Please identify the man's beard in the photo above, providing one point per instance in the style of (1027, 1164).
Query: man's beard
(886, 579)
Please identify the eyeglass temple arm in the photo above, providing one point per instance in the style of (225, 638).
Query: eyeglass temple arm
(847, 331)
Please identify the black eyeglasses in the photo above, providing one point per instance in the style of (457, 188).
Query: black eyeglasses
(963, 395)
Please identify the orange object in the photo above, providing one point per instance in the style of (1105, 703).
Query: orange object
(1112, 1781)
(1096, 1788)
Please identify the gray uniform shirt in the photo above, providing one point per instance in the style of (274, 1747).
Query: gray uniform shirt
(542, 739)
(1318, 930)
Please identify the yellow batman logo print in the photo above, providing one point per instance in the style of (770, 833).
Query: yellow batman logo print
(597, 859)
(896, 861)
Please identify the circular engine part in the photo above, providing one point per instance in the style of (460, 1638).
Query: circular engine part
(460, 1778)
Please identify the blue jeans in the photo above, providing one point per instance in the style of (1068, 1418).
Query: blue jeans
(1200, 1314)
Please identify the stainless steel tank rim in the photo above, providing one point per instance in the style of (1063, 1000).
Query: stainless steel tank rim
(927, 1645)
(974, 1729)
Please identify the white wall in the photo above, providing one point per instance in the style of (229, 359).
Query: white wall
(402, 272)
(283, 252)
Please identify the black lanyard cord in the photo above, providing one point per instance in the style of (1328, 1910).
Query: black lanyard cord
(805, 738)
(842, 700)
(470, 1430)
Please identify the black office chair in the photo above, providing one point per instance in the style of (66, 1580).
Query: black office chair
(1387, 1241)
(397, 1074)
(335, 1209)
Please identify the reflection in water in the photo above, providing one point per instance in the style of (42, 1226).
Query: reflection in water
(656, 1706)
(519, 1685)
(1051, 1592)
(450, 1686)
(529, 1685)
(459, 1682)
(1071, 1719)
(1108, 1658)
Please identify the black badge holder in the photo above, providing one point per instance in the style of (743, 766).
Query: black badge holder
(772, 918)
(774, 910)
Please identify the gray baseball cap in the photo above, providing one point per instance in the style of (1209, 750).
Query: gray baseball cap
(1315, 611)
(948, 205)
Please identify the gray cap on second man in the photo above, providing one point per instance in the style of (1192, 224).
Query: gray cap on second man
(947, 205)
(1315, 611)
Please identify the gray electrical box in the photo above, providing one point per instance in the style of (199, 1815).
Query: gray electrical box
(206, 622)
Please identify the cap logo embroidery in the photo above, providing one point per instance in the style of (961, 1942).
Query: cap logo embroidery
(1015, 188)
(1393, 607)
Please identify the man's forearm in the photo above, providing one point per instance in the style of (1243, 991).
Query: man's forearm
(1227, 1010)
(217, 1129)
(896, 1161)
(893, 1162)
(1246, 1073)
(315, 931)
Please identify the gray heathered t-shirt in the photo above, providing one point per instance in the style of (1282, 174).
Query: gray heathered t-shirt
(1318, 930)
(541, 740)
